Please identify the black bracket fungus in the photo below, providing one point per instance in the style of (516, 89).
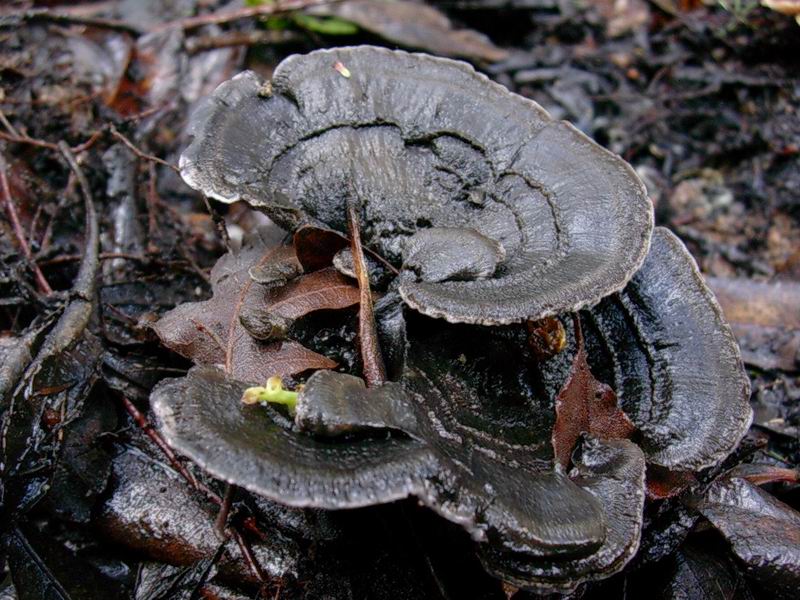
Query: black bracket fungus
(511, 500)
(466, 426)
(677, 369)
(442, 162)
(488, 212)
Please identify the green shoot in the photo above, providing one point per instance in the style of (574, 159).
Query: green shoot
(273, 393)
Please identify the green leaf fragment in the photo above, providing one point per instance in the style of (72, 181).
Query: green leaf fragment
(325, 26)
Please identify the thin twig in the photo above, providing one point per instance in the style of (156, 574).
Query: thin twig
(84, 285)
(24, 139)
(139, 153)
(240, 38)
(145, 426)
(374, 370)
(219, 222)
(65, 258)
(19, 233)
(7, 124)
(224, 511)
(159, 441)
(249, 557)
(81, 148)
(44, 15)
(152, 199)
(227, 16)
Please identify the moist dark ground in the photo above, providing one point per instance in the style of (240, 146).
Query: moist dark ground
(702, 101)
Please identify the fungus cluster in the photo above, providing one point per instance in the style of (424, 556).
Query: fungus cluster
(482, 216)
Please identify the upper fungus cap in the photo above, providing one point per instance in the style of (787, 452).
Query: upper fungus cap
(435, 155)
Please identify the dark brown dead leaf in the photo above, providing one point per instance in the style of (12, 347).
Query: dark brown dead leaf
(584, 405)
(270, 317)
(414, 25)
(210, 332)
(322, 290)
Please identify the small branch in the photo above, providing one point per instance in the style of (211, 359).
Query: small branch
(228, 16)
(224, 511)
(7, 124)
(15, 137)
(219, 222)
(84, 285)
(65, 258)
(240, 38)
(139, 153)
(26, 139)
(249, 557)
(43, 15)
(19, 233)
(374, 370)
(152, 201)
(156, 438)
(81, 148)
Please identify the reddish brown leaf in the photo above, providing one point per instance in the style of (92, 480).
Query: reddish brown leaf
(316, 246)
(325, 289)
(210, 332)
(584, 405)
(663, 483)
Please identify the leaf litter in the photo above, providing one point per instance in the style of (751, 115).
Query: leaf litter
(630, 91)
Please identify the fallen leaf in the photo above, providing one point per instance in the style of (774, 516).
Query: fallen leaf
(414, 25)
(271, 317)
(325, 289)
(584, 405)
(211, 333)
(764, 318)
(764, 533)
(316, 246)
